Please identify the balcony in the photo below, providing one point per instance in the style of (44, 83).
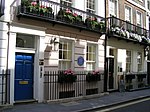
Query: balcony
(124, 30)
(2, 5)
(59, 14)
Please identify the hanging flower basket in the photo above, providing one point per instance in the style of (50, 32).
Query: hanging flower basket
(67, 76)
(93, 76)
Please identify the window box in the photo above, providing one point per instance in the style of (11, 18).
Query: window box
(67, 76)
(93, 76)
(36, 9)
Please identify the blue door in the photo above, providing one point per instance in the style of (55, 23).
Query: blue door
(23, 77)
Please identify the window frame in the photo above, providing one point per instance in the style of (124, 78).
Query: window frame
(67, 2)
(141, 63)
(116, 8)
(61, 60)
(88, 9)
(141, 20)
(127, 62)
(126, 6)
(148, 5)
(88, 53)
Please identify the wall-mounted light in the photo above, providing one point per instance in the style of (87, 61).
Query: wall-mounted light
(54, 42)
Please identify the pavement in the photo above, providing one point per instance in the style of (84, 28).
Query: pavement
(104, 101)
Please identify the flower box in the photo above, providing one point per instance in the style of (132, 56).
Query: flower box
(93, 76)
(130, 77)
(67, 76)
(36, 9)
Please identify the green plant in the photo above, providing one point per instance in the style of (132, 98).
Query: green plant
(68, 14)
(102, 26)
(34, 6)
(25, 2)
(92, 22)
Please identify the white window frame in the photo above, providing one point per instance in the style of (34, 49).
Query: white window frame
(91, 10)
(139, 63)
(94, 54)
(117, 14)
(126, 6)
(68, 2)
(148, 5)
(141, 24)
(69, 66)
(130, 63)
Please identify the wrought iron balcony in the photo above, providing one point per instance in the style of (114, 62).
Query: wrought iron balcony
(125, 30)
(59, 14)
(2, 4)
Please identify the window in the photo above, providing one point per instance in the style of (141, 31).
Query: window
(113, 7)
(127, 13)
(128, 61)
(90, 57)
(139, 18)
(128, 18)
(111, 52)
(66, 2)
(2, 6)
(25, 41)
(65, 55)
(139, 61)
(148, 4)
(90, 6)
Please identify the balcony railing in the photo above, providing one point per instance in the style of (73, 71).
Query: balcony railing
(125, 30)
(57, 13)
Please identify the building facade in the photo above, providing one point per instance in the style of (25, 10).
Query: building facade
(42, 36)
(53, 35)
(128, 39)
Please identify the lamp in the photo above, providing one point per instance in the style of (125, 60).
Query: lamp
(54, 42)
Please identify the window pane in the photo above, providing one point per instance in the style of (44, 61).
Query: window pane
(64, 54)
(90, 5)
(65, 46)
(60, 55)
(25, 41)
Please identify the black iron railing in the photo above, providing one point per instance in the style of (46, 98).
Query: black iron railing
(58, 85)
(4, 88)
(57, 13)
(139, 80)
(125, 30)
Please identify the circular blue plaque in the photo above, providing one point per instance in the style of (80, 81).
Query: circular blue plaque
(80, 61)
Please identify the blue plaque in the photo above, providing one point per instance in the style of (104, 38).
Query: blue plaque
(80, 61)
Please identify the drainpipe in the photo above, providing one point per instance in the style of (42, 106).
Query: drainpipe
(105, 52)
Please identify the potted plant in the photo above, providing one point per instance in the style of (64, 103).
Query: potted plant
(78, 19)
(45, 11)
(92, 23)
(93, 76)
(67, 76)
(25, 5)
(102, 26)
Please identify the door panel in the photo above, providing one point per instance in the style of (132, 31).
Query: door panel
(24, 77)
(110, 72)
